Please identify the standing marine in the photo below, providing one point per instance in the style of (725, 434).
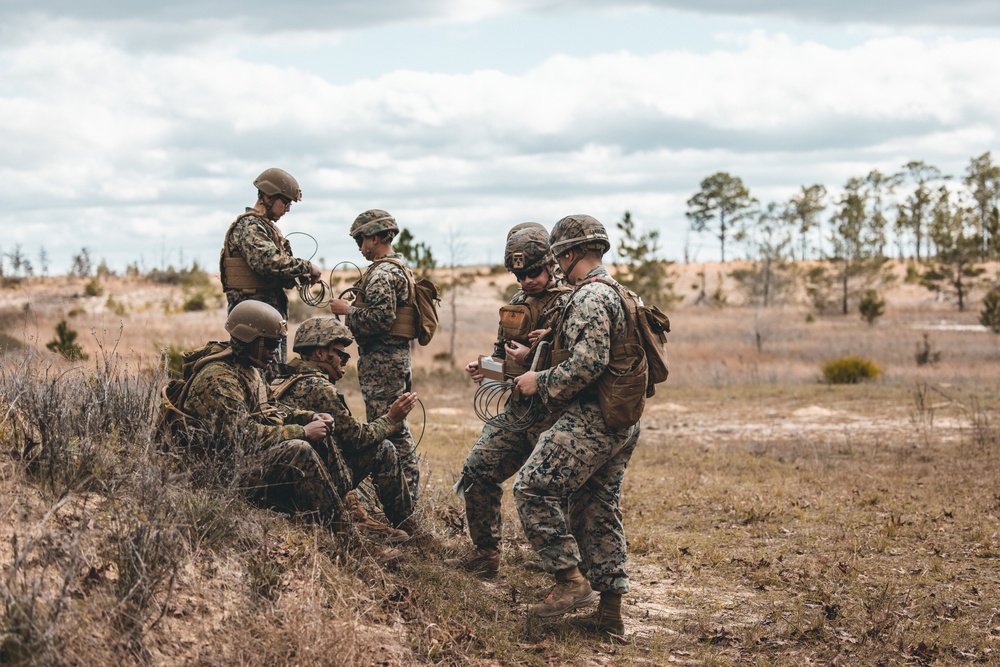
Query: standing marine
(579, 462)
(383, 320)
(256, 262)
(508, 439)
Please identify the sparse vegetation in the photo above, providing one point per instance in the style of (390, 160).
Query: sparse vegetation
(65, 343)
(871, 306)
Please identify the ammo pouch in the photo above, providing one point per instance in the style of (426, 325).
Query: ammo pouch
(622, 387)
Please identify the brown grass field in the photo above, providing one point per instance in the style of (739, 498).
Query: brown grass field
(772, 519)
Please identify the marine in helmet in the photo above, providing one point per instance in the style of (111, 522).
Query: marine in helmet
(500, 451)
(256, 262)
(579, 461)
(309, 383)
(273, 450)
(384, 366)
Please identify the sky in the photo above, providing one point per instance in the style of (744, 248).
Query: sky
(135, 130)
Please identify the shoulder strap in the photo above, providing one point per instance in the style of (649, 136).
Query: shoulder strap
(280, 386)
(411, 283)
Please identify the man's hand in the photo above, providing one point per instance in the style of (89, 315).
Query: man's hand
(402, 406)
(319, 428)
(472, 368)
(516, 351)
(527, 384)
(314, 274)
(339, 306)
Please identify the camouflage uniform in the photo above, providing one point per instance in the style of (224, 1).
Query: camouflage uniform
(362, 447)
(580, 459)
(384, 369)
(500, 452)
(280, 468)
(261, 244)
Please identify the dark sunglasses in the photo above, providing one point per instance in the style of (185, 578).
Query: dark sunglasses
(344, 356)
(359, 239)
(285, 200)
(272, 343)
(530, 273)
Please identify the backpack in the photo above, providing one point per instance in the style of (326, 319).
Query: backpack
(418, 318)
(174, 426)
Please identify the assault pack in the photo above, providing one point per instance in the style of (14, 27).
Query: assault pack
(518, 320)
(417, 318)
(637, 362)
(173, 425)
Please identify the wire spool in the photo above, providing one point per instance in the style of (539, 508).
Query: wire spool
(493, 405)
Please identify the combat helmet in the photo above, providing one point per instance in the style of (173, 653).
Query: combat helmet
(371, 222)
(320, 332)
(276, 181)
(581, 231)
(527, 249)
(525, 225)
(252, 325)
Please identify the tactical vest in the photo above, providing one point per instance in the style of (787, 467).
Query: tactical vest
(405, 324)
(518, 320)
(234, 271)
(621, 388)
(281, 384)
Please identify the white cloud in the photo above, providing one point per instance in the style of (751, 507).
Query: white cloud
(157, 149)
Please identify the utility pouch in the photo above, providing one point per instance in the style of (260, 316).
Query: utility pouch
(515, 322)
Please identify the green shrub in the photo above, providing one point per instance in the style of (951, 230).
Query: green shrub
(989, 316)
(65, 343)
(195, 302)
(871, 307)
(850, 370)
(93, 287)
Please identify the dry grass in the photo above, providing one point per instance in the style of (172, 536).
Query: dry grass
(772, 520)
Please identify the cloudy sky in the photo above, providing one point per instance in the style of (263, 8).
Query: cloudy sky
(136, 129)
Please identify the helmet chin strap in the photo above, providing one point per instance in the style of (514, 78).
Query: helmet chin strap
(576, 260)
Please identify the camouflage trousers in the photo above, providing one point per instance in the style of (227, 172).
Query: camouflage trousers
(579, 461)
(496, 456)
(384, 373)
(291, 476)
(381, 462)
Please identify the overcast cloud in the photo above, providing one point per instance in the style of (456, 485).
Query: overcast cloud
(136, 130)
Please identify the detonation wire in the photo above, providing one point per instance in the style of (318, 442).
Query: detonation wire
(318, 294)
(494, 403)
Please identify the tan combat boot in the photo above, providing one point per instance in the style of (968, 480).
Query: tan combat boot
(481, 562)
(608, 617)
(368, 526)
(572, 591)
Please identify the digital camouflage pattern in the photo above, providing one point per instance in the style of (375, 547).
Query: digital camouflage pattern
(279, 467)
(500, 452)
(579, 460)
(261, 244)
(384, 370)
(362, 447)
(385, 288)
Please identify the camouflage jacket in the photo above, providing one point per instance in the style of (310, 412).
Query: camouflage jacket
(593, 318)
(231, 399)
(385, 288)
(317, 393)
(261, 244)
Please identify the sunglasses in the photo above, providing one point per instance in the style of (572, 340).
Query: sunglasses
(285, 200)
(272, 344)
(530, 273)
(344, 356)
(359, 239)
